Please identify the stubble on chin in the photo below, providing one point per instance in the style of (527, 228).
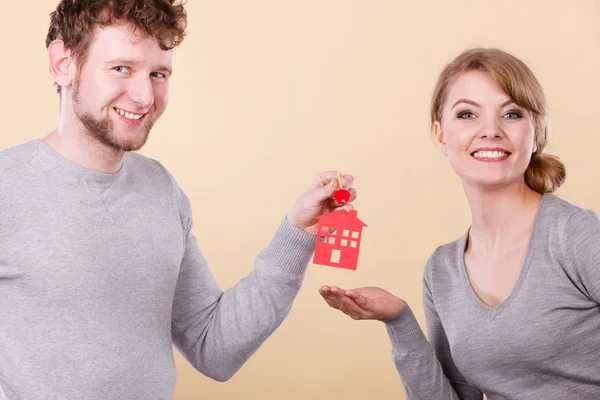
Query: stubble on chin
(102, 130)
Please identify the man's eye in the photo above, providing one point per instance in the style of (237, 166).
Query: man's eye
(121, 69)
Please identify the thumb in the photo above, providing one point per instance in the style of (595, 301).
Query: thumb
(325, 192)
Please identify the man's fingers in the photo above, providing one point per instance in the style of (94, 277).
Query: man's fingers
(323, 179)
(347, 207)
(327, 177)
(352, 195)
(348, 182)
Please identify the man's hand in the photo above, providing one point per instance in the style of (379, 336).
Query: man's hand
(318, 200)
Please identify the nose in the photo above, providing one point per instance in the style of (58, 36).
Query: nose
(491, 129)
(142, 92)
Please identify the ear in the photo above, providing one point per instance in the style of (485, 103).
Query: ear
(60, 63)
(438, 135)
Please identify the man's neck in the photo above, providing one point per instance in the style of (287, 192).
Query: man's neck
(82, 149)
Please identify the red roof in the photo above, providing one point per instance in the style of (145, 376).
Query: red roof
(339, 217)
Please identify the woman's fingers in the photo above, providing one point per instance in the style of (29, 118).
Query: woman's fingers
(337, 298)
(362, 301)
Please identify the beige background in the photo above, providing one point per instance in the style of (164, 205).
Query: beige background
(266, 94)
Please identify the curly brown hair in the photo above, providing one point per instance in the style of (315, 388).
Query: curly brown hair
(74, 21)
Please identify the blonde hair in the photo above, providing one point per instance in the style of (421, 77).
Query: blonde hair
(545, 172)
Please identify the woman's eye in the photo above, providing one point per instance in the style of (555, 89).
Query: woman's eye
(466, 115)
(121, 69)
(513, 115)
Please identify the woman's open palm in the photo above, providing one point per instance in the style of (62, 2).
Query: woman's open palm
(363, 303)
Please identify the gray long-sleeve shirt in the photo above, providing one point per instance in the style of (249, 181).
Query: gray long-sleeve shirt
(100, 275)
(542, 342)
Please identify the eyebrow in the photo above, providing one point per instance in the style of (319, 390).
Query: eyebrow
(125, 61)
(507, 102)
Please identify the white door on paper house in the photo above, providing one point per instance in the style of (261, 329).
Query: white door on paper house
(335, 255)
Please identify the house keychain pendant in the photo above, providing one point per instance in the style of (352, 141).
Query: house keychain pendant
(341, 196)
(339, 234)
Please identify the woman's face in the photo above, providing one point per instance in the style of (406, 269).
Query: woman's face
(489, 140)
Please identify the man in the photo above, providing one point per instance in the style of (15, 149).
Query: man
(100, 273)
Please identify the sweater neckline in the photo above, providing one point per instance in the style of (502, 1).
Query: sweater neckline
(489, 311)
(76, 169)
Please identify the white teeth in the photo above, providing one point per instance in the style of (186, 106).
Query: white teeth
(489, 154)
(129, 115)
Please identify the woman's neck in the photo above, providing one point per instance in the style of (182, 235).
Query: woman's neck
(501, 216)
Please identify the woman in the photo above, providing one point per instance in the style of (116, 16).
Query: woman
(513, 306)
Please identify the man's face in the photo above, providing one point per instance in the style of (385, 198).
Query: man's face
(122, 88)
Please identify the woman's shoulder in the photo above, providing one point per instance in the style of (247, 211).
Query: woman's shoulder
(571, 232)
(446, 257)
(556, 207)
(578, 244)
(567, 216)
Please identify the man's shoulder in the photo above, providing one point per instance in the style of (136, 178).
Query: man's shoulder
(17, 154)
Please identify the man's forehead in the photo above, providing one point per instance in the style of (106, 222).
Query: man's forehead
(124, 33)
(121, 39)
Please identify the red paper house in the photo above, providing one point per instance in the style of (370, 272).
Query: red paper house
(338, 239)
